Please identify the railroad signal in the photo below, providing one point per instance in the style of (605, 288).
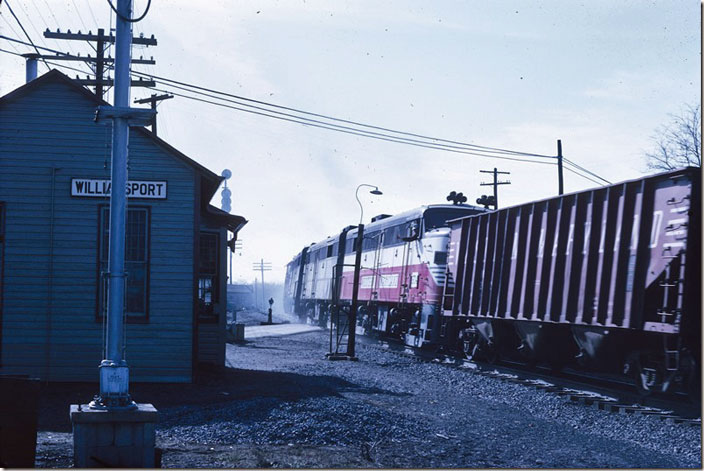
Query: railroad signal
(456, 198)
(486, 201)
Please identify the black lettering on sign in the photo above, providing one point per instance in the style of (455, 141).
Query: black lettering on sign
(101, 188)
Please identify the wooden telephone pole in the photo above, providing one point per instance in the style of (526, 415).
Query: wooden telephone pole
(101, 41)
(153, 101)
(495, 184)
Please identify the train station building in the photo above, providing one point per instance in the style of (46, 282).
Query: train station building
(54, 213)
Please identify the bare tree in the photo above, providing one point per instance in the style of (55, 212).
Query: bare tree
(678, 144)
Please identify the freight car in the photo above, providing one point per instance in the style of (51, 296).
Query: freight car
(609, 278)
(402, 274)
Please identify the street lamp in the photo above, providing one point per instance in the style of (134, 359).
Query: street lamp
(375, 191)
(352, 320)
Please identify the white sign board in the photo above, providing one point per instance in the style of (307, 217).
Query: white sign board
(101, 188)
(385, 281)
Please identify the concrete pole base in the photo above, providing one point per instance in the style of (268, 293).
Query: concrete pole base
(114, 438)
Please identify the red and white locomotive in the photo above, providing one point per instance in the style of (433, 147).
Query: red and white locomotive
(402, 274)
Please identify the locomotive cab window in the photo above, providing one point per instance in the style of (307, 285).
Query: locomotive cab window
(434, 218)
(371, 240)
(136, 262)
(351, 244)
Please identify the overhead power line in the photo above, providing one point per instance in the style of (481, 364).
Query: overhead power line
(348, 129)
(10, 52)
(586, 177)
(586, 171)
(429, 143)
(32, 44)
(357, 133)
(25, 32)
(332, 118)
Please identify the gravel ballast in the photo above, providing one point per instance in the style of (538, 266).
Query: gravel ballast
(280, 403)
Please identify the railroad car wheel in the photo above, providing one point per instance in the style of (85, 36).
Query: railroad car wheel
(693, 379)
(485, 352)
(468, 342)
(647, 378)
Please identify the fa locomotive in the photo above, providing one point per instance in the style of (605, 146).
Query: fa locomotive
(402, 276)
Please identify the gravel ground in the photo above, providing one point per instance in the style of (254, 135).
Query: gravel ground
(279, 403)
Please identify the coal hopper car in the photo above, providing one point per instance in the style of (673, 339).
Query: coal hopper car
(608, 279)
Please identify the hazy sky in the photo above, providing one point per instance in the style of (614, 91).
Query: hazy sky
(600, 75)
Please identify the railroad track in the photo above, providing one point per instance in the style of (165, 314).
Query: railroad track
(583, 389)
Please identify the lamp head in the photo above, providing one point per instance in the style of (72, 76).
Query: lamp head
(376, 191)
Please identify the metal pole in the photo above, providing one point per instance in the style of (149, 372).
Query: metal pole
(352, 319)
(114, 373)
(99, 63)
(560, 180)
(30, 66)
(262, 267)
(496, 188)
(153, 102)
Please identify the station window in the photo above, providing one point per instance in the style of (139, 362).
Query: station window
(136, 262)
(208, 279)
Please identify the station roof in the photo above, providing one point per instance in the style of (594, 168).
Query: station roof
(210, 181)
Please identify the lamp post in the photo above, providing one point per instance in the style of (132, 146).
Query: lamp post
(375, 191)
(352, 321)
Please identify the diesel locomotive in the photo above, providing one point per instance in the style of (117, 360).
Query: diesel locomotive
(402, 275)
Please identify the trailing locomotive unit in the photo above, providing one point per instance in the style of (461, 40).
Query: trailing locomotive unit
(608, 277)
(402, 273)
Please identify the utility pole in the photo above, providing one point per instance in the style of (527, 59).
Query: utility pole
(495, 184)
(560, 181)
(100, 60)
(262, 266)
(153, 101)
(114, 372)
(113, 411)
(352, 321)
(237, 246)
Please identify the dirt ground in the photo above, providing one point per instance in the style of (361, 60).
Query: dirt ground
(279, 403)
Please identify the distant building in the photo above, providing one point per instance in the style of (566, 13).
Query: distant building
(54, 180)
(240, 296)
